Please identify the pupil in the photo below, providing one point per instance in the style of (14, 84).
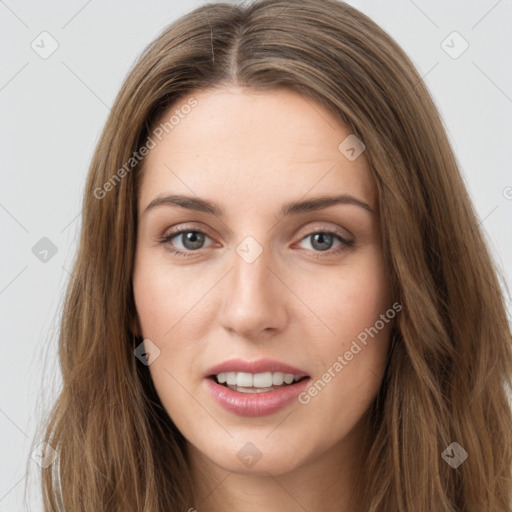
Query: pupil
(193, 240)
(321, 238)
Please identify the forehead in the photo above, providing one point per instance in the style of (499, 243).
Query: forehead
(246, 144)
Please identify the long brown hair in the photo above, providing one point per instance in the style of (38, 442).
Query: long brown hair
(450, 362)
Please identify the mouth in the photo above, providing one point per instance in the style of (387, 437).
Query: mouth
(255, 388)
(244, 382)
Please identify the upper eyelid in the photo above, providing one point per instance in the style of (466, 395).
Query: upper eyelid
(195, 227)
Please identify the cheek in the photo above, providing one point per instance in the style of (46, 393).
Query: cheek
(163, 298)
(348, 299)
(169, 308)
(351, 361)
(162, 295)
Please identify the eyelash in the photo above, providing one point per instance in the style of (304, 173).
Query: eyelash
(345, 244)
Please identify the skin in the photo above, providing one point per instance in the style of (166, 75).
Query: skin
(251, 152)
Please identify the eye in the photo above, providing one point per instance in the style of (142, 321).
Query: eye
(191, 239)
(322, 241)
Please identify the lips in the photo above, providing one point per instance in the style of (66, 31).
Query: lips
(242, 399)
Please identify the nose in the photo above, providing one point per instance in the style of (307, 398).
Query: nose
(253, 306)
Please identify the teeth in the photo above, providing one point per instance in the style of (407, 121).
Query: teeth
(244, 379)
(251, 390)
(288, 378)
(262, 380)
(256, 380)
(277, 378)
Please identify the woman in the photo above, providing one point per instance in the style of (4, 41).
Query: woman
(282, 299)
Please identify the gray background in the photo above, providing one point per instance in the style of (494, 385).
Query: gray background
(52, 112)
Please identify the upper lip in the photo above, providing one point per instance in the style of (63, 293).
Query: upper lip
(258, 366)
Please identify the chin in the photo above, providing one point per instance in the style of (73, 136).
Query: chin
(255, 455)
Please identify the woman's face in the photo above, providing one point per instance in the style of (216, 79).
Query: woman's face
(273, 281)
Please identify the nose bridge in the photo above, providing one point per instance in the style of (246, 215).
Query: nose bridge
(251, 272)
(251, 303)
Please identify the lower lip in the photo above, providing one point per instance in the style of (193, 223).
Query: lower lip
(255, 404)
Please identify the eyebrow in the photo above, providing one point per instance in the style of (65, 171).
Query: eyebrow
(291, 208)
